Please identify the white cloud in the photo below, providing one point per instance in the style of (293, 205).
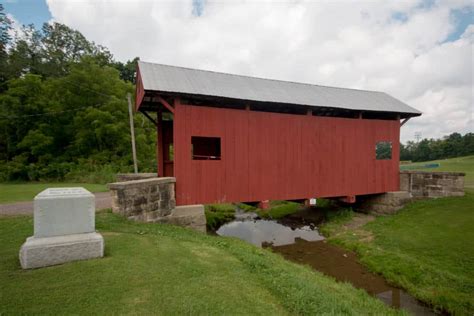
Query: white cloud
(15, 27)
(342, 43)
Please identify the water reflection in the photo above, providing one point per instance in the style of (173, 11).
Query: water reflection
(259, 232)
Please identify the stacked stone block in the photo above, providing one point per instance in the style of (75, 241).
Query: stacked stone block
(415, 185)
(386, 203)
(432, 184)
(143, 200)
(191, 216)
(153, 200)
(122, 177)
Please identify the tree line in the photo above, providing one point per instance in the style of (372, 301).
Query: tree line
(63, 108)
(454, 145)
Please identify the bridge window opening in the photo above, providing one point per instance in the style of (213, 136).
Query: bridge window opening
(383, 150)
(205, 148)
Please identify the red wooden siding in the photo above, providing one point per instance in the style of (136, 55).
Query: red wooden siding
(139, 91)
(269, 156)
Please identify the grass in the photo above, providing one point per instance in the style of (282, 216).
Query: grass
(460, 164)
(247, 207)
(16, 192)
(162, 269)
(426, 248)
(334, 219)
(218, 214)
(279, 209)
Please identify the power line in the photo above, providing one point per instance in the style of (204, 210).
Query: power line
(51, 113)
(87, 88)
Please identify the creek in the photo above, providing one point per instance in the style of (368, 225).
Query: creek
(297, 239)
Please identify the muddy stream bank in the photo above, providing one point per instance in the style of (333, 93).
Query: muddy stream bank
(296, 238)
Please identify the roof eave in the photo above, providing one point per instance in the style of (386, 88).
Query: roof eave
(220, 98)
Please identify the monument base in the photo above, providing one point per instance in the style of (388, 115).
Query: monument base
(47, 251)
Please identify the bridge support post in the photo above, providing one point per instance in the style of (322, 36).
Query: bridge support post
(264, 205)
(348, 199)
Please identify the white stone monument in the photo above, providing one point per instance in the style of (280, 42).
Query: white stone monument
(64, 229)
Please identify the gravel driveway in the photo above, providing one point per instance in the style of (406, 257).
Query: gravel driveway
(102, 200)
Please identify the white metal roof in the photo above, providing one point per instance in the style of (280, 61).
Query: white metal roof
(172, 79)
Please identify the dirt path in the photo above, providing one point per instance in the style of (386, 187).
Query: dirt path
(355, 226)
(359, 220)
(102, 200)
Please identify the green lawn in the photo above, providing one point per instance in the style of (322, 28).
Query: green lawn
(426, 248)
(160, 269)
(279, 209)
(460, 164)
(14, 192)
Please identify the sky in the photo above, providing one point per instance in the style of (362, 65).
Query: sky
(418, 51)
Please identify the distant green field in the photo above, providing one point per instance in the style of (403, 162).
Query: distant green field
(15, 192)
(460, 164)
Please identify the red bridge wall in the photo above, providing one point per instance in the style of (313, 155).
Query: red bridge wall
(273, 156)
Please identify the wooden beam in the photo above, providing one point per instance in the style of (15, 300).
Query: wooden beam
(404, 121)
(264, 205)
(159, 143)
(166, 104)
(348, 199)
(150, 118)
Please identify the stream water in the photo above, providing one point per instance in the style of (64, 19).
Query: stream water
(297, 239)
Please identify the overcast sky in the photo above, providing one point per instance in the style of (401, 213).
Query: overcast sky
(420, 52)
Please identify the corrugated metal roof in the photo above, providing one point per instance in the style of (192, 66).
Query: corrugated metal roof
(173, 79)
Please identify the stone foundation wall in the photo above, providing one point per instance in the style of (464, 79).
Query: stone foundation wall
(432, 184)
(191, 216)
(153, 200)
(415, 185)
(122, 177)
(386, 203)
(143, 200)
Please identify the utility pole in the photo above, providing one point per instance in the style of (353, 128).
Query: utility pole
(132, 132)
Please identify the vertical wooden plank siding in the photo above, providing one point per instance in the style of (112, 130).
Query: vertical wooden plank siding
(139, 91)
(269, 156)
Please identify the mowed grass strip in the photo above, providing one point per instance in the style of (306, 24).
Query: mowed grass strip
(160, 269)
(426, 248)
(17, 192)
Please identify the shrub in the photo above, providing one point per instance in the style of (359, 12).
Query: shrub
(218, 214)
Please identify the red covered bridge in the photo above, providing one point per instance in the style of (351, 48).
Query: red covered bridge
(229, 138)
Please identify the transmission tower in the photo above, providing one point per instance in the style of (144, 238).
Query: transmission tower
(417, 136)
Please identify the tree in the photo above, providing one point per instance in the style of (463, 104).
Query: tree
(26, 54)
(453, 145)
(63, 111)
(5, 38)
(127, 70)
